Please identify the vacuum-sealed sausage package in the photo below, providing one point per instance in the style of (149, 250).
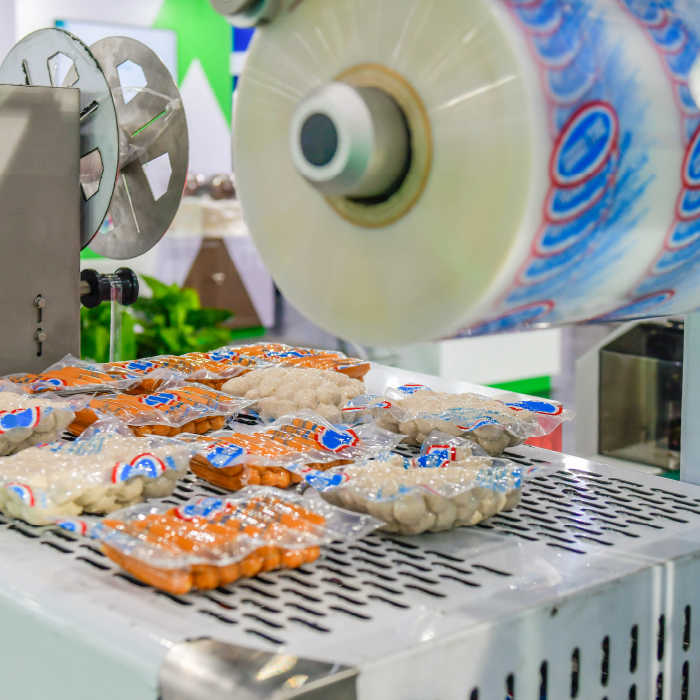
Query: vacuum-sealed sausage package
(212, 369)
(280, 391)
(188, 408)
(72, 375)
(98, 474)
(279, 454)
(415, 411)
(452, 483)
(212, 542)
(287, 356)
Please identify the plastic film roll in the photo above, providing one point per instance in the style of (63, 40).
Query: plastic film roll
(552, 172)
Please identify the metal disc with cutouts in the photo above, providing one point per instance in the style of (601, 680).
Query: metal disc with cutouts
(56, 58)
(154, 148)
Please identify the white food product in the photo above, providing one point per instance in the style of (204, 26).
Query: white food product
(97, 475)
(417, 415)
(280, 391)
(26, 420)
(412, 500)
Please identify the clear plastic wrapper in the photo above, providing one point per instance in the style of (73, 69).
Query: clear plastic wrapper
(415, 411)
(287, 356)
(188, 408)
(97, 474)
(27, 420)
(279, 455)
(453, 483)
(213, 542)
(212, 369)
(71, 373)
(280, 391)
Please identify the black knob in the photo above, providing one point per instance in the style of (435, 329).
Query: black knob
(97, 288)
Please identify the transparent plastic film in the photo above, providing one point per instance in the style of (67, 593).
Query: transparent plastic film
(27, 420)
(414, 411)
(207, 543)
(182, 407)
(279, 391)
(288, 356)
(453, 483)
(280, 454)
(72, 375)
(559, 181)
(98, 474)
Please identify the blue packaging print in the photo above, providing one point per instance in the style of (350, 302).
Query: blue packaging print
(598, 165)
(672, 277)
(221, 456)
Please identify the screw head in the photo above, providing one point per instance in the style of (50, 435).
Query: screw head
(40, 336)
(40, 302)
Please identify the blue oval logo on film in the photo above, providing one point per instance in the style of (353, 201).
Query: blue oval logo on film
(513, 319)
(639, 307)
(689, 205)
(565, 204)
(648, 13)
(691, 165)
(585, 144)
(684, 233)
(543, 17)
(672, 259)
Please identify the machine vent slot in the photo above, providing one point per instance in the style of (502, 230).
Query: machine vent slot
(686, 627)
(575, 672)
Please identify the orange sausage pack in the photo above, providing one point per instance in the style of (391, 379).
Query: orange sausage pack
(212, 542)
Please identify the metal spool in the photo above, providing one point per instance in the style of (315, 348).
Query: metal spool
(153, 148)
(56, 58)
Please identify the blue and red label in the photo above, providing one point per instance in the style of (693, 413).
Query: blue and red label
(223, 455)
(436, 457)
(202, 508)
(544, 407)
(141, 366)
(336, 440)
(146, 465)
(24, 493)
(20, 418)
(74, 525)
(585, 145)
(410, 389)
(162, 399)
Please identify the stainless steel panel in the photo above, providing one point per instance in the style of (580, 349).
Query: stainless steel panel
(39, 225)
(204, 668)
(641, 375)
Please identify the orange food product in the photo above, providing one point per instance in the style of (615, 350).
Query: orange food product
(62, 378)
(215, 549)
(307, 358)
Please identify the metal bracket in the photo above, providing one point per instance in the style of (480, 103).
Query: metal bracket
(202, 669)
(690, 407)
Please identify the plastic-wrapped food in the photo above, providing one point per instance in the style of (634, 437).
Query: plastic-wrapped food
(185, 409)
(98, 474)
(280, 391)
(71, 373)
(212, 542)
(212, 369)
(27, 420)
(281, 453)
(288, 356)
(453, 483)
(415, 411)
